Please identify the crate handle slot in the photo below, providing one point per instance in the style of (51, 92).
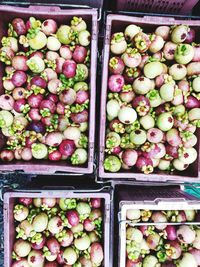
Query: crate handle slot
(159, 19)
(48, 9)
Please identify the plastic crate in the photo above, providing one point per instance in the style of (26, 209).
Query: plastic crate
(159, 6)
(162, 199)
(9, 228)
(7, 13)
(117, 23)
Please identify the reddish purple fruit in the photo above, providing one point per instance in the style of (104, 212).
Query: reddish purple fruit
(73, 217)
(67, 147)
(19, 26)
(79, 54)
(19, 78)
(95, 202)
(53, 246)
(39, 245)
(48, 104)
(80, 117)
(115, 83)
(55, 155)
(39, 81)
(26, 201)
(69, 68)
(35, 100)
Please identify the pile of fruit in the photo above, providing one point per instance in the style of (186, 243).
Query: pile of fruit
(44, 107)
(162, 245)
(58, 232)
(153, 99)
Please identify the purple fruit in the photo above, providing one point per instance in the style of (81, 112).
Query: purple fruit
(115, 83)
(19, 26)
(34, 101)
(35, 258)
(144, 164)
(116, 65)
(53, 246)
(171, 232)
(185, 234)
(36, 126)
(67, 147)
(19, 78)
(155, 135)
(38, 81)
(73, 217)
(69, 68)
(129, 157)
(79, 54)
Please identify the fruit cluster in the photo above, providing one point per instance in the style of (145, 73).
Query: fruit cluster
(58, 232)
(153, 100)
(44, 108)
(162, 245)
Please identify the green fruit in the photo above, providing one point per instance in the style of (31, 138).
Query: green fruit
(70, 256)
(153, 69)
(165, 121)
(196, 84)
(64, 34)
(39, 151)
(82, 243)
(147, 122)
(40, 222)
(167, 92)
(134, 234)
(39, 41)
(83, 208)
(112, 164)
(150, 261)
(184, 53)
(138, 137)
(6, 119)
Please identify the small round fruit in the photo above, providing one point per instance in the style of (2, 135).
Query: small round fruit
(147, 122)
(70, 256)
(39, 41)
(179, 165)
(40, 222)
(153, 69)
(127, 115)
(39, 151)
(112, 164)
(196, 84)
(64, 34)
(189, 155)
(22, 248)
(165, 121)
(138, 137)
(163, 165)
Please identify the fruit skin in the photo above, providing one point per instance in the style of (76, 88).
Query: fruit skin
(118, 43)
(40, 222)
(153, 69)
(184, 53)
(22, 248)
(70, 256)
(63, 34)
(82, 243)
(165, 121)
(138, 137)
(21, 263)
(127, 115)
(39, 41)
(36, 258)
(96, 254)
(112, 164)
